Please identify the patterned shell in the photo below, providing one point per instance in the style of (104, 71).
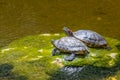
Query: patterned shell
(90, 37)
(70, 44)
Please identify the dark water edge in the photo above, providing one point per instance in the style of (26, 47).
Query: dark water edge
(19, 18)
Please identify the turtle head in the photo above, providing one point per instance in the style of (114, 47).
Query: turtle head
(52, 41)
(68, 31)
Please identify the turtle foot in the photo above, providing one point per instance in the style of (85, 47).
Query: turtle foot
(70, 58)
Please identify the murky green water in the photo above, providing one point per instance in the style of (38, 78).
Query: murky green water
(20, 18)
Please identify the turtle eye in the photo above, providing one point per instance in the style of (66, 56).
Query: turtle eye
(70, 32)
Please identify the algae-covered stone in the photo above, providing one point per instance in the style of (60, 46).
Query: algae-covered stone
(31, 57)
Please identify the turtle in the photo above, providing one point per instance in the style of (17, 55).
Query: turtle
(69, 45)
(90, 38)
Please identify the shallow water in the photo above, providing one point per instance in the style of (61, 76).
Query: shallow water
(20, 18)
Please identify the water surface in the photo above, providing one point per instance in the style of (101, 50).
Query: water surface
(20, 18)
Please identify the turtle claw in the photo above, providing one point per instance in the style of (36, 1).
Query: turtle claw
(70, 58)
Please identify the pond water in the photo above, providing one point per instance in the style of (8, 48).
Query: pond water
(20, 18)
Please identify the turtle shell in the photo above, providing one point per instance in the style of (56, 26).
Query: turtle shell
(70, 44)
(91, 38)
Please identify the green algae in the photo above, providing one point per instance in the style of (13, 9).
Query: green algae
(31, 57)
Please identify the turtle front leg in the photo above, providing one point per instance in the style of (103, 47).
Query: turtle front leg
(70, 58)
(54, 51)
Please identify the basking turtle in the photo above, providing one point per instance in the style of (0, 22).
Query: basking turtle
(90, 38)
(69, 45)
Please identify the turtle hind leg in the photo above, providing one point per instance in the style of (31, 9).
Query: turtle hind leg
(70, 58)
(108, 48)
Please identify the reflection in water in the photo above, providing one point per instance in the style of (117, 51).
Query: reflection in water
(71, 70)
(27, 17)
(5, 70)
(87, 73)
(7, 74)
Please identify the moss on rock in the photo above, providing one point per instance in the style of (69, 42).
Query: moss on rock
(31, 57)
